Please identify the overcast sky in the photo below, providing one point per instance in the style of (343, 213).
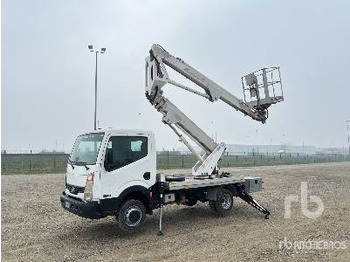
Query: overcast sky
(48, 73)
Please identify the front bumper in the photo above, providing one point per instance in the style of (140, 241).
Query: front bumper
(80, 208)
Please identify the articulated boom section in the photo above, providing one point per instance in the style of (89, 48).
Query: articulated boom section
(256, 108)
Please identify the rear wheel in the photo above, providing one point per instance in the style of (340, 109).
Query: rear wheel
(132, 215)
(223, 205)
(191, 202)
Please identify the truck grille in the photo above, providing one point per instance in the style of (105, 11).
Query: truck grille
(75, 189)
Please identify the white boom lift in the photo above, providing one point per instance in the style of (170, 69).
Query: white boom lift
(253, 85)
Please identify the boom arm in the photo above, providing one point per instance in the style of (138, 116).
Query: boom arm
(157, 77)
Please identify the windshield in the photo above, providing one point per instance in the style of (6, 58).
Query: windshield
(86, 149)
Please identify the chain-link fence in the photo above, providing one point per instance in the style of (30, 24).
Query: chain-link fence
(169, 160)
(52, 163)
(33, 163)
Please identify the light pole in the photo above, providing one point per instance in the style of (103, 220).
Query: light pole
(102, 51)
(347, 126)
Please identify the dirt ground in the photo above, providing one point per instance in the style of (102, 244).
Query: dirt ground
(36, 228)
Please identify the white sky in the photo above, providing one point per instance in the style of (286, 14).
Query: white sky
(48, 74)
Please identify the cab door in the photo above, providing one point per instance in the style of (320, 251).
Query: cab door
(128, 162)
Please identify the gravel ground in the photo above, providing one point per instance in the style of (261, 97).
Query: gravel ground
(36, 228)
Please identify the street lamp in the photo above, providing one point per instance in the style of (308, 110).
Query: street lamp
(101, 51)
(347, 125)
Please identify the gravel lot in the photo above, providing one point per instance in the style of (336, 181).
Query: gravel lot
(36, 228)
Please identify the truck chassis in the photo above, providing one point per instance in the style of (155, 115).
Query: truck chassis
(218, 191)
(131, 209)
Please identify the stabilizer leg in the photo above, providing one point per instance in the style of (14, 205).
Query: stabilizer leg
(251, 201)
(161, 190)
(160, 233)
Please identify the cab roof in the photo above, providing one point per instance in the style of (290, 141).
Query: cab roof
(122, 131)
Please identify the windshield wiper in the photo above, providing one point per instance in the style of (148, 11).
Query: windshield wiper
(71, 163)
(80, 163)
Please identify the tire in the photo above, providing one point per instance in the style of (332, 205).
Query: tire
(191, 202)
(223, 205)
(132, 215)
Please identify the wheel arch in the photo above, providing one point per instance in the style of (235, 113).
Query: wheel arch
(213, 192)
(138, 193)
(232, 188)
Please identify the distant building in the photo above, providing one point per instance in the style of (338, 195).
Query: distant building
(269, 149)
(45, 152)
(332, 151)
(233, 149)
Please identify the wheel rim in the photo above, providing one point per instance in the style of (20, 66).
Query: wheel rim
(226, 201)
(133, 216)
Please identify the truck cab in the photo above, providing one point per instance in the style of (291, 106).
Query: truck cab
(107, 166)
(113, 172)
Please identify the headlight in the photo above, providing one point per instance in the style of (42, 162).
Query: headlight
(89, 185)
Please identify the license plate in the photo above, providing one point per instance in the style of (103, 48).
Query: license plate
(67, 205)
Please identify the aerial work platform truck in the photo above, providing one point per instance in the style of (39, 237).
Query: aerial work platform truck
(113, 172)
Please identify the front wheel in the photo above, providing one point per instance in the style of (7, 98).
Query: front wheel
(132, 215)
(223, 205)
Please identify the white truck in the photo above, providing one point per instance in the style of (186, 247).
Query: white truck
(113, 172)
